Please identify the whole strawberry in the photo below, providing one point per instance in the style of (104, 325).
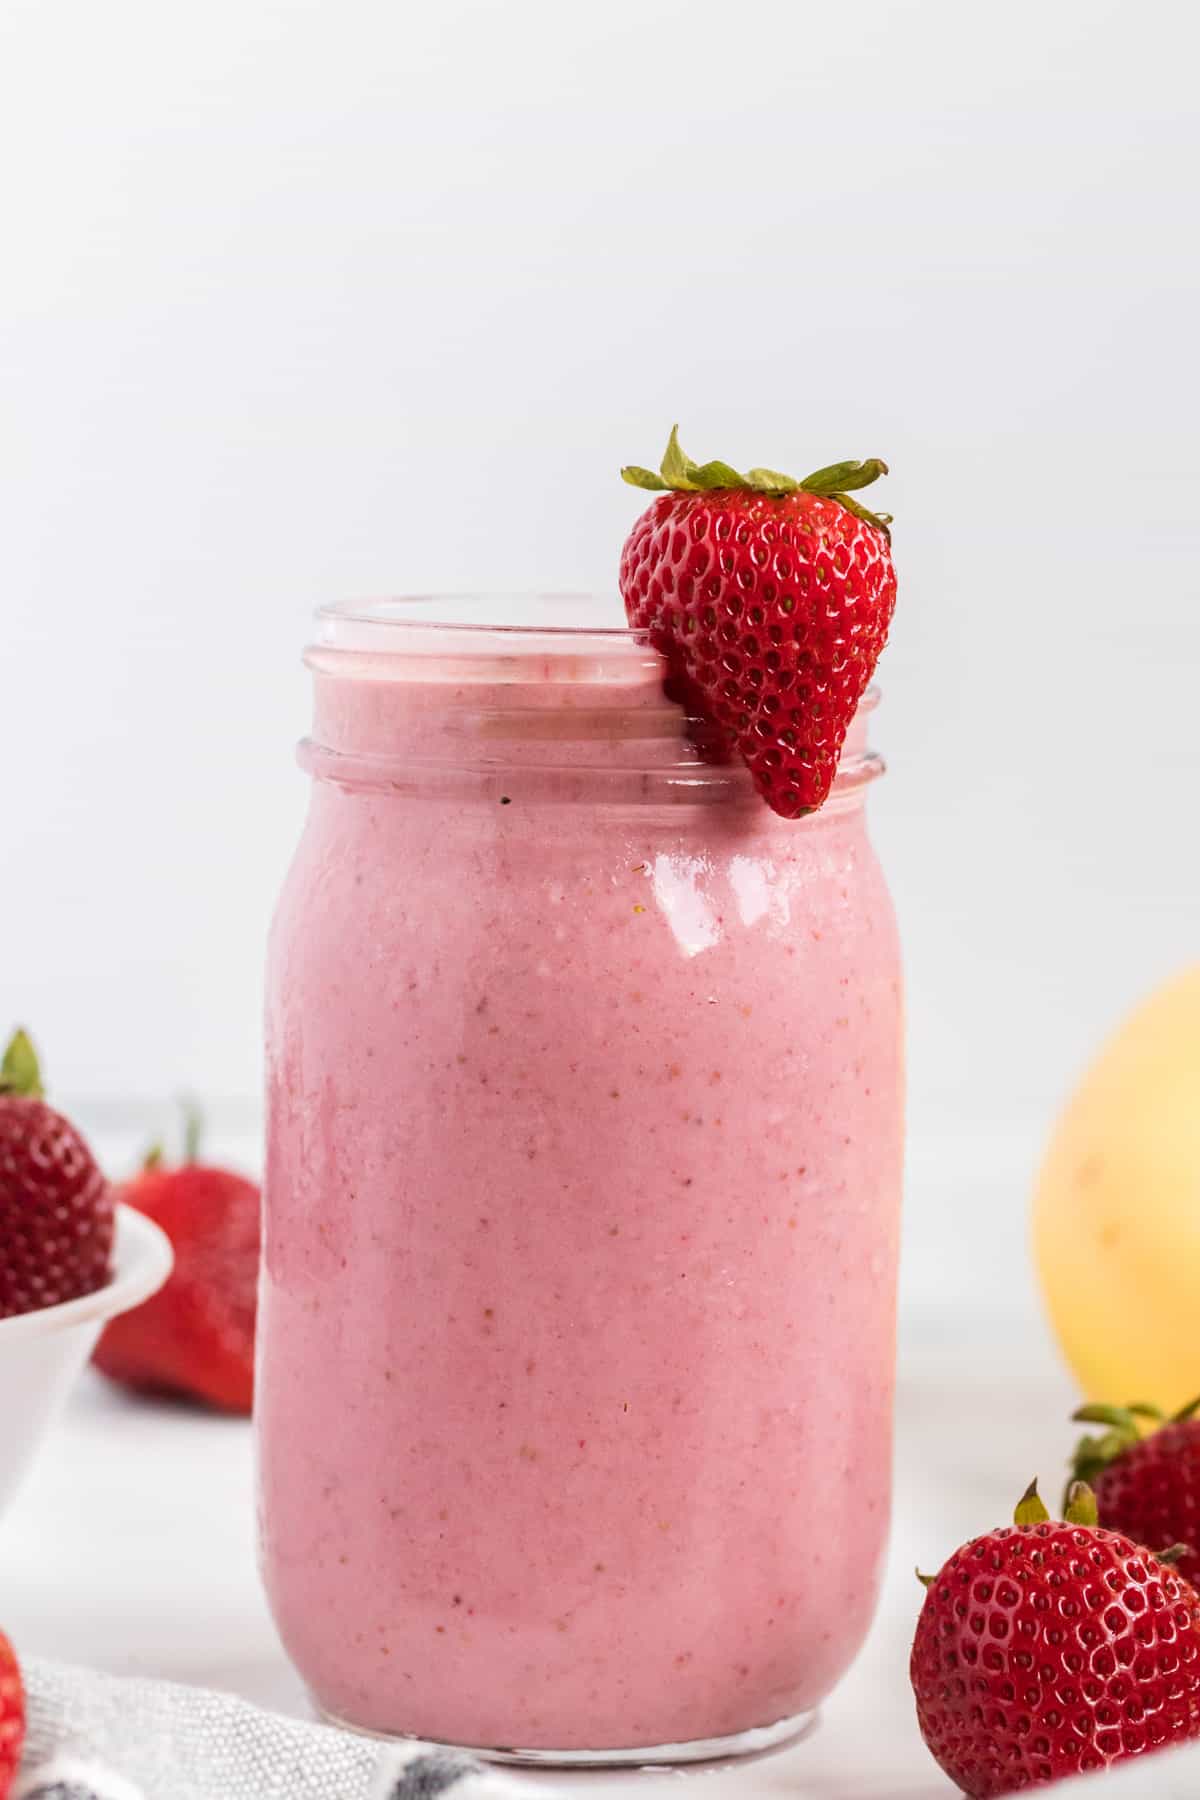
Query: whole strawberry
(1046, 1649)
(770, 599)
(12, 1716)
(56, 1209)
(195, 1337)
(1147, 1487)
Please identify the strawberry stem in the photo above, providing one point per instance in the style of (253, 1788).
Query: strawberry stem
(19, 1070)
(193, 1129)
(680, 475)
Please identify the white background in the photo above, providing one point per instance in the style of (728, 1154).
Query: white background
(309, 300)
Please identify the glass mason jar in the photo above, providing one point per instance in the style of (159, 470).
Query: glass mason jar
(582, 1194)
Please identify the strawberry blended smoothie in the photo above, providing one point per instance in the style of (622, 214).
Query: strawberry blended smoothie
(584, 1146)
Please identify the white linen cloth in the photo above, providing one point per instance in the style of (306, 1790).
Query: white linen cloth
(107, 1737)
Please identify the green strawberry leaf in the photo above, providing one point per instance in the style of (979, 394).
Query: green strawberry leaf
(679, 474)
(1031, 1509)
(838, 477)
(19, 1071)
(770, 481)
(715, 475)
(1120, 1418)
(1081, 1508)
(1172, 1557)
(881, 521)
(1093, 1454)
(193, 1128)
(677, 469)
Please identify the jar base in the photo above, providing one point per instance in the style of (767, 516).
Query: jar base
(757, 1741)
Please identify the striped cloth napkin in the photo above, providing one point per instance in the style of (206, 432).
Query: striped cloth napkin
(104, 1737)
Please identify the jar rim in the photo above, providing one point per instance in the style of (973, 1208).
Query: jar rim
(406, 624)
(452, 688)
(352, 635)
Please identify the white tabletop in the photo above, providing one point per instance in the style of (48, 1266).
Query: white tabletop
(132, 1549)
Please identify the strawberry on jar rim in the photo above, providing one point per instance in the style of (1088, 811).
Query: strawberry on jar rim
(770, 600)
(1045, 1650)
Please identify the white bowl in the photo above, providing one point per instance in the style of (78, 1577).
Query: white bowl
(42, 1352)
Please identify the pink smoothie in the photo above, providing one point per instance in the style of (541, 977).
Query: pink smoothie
(576, 1342)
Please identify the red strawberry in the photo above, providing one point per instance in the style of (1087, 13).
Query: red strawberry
(1147, 1487)
(1045, 1649)
(770, 600)
(196, 1335)
(12, 1716)
(56, 1209)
